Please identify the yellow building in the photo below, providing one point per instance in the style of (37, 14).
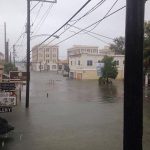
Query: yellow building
(83, 65)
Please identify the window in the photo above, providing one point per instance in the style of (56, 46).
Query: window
(53, 66)
(79, 62)
(82, 50)
(54, 61)
(54, 55)
(54, 49)
(47, 49)
(88, 50)
(47, 61)
(89, 62)
(71, 62)
(40, 66)
(117, 62)
(95, 51)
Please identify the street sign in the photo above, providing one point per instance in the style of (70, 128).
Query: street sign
(8, 101)
(99, 67)
(5, 109)
(18, 75)
(7, 86)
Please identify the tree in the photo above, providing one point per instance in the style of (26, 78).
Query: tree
(9, 67)
(119, 45)
(110, 69)
(147, 34)
(66, 67)
(147, 46)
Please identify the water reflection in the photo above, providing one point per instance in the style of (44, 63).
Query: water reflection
(111, 93)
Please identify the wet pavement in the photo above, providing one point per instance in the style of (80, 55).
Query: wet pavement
(76, 115)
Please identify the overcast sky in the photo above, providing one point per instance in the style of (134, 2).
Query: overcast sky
(13, 12)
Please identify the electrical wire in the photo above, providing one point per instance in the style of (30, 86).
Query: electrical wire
(95, 37)
(96, 23)
(35, 5)
(92, 32)
(45, 15)
(105, 14)
(37, 14)
(66, 22)
(114, 12)
(23, 33)
(87, 13)
(91, 25)
(91, 10)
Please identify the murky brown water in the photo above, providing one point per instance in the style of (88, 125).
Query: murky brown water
(77, 115)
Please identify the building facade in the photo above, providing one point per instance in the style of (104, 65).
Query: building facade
(81, 49)
(83, 65)
(2, 58)
(45, 58)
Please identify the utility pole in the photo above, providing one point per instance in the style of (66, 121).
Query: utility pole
(10, 57)
(6, 44)
(28, 54)
(7, 52)
(133, 83)
(14, 54)
(28, 48)
(5, 39)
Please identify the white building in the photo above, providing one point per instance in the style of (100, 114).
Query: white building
(45, 58)
(83, 65)
(80, 49)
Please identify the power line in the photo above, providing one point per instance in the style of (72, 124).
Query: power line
(95, 38)
(37, 14)
(91, 25)
(66, 22)
(92, 32)
(114, 12)
(106, 14)
(33, 23)
(45, 15)
(35, 5)
(96, 23)
(87, 13)
(91, 10)
(22, 33)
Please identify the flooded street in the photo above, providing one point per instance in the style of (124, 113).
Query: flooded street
(71, 115)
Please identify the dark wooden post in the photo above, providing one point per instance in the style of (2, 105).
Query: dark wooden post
(133, 84)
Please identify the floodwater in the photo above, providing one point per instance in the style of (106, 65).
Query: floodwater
(71, 115)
